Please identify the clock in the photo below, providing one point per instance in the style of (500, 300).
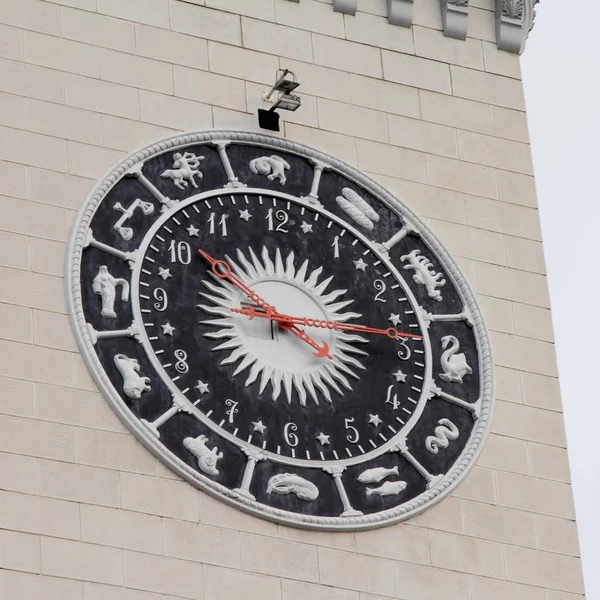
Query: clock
(280, 330)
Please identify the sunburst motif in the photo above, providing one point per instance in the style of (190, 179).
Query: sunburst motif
(277, 356)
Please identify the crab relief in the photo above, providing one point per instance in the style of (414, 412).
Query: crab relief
(274, 167)
(424, 273)
(185, 168)
(134, 385)
(207, 459)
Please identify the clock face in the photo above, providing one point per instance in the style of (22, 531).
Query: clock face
(280, 331)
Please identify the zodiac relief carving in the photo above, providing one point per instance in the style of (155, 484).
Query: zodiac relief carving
(105, 286)
(287, 483)
(378, 474)
(445, 432)
(185, 169)
(454, 365)
(127, 232)
(274, 167)
(357, 208)
(424, 273)
(207, 459)
(134, 385)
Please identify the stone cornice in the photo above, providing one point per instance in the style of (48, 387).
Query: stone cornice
(514, 18)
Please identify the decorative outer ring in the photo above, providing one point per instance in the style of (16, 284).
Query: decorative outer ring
(76, 315)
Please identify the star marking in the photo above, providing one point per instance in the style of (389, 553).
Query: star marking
(400, 376)
(164, 273)
(259, 426)
(360, 265)
(306, 227)
(193, 231)
(324, 439)
(201, 387)
(245, 214)
(168, 329)
(395, 319)
(374, 420)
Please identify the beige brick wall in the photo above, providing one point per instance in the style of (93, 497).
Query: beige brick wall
(86, 512)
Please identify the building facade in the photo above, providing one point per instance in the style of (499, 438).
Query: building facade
(425, 99)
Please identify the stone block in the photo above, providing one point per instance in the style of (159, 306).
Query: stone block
(163, 575)
(226, 584)
(488, 88)
(205, 23)
(26, 585)
(500, 524)
(543, 569)
(381, 95)
(541, 391)
(557, 535)
(352, 120)
(162, 497)
(455, 112)
(356, 572)
(462, 177)
(31, 81)
(75, 560)
(210, 88)
(32, 14)
(18, 473)
(493, 589)
(535, 495)
(466, 554)
(505, 454)
(98, 30)
(416, 72)
(550, 462)
(533, 322)
(171, 47)
(175, 113)
(375, 31)
(423, 136)
(414, 582)
(346, 56)
(430, 44)
(200, 543)
(101, 96)
(391, 161)
(121, 529)
(16, 322)
(11, 42)
(150, 12)
(57, 189)
(264, 37)
(400, 542)
(312, 15)
(45, 516)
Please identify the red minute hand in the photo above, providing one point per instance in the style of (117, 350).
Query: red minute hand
(287, 320)
(222, 270)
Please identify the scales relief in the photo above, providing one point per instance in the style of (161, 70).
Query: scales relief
(280, 330)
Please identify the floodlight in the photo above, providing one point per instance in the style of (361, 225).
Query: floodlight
(285, 84)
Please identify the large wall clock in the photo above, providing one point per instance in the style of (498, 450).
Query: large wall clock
(280, 330)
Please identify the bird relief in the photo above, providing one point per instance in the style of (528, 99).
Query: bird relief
(274, 167)
(288, 483)
(378, 474)
(424, 273)
(134, 385)
(207, 459)
(105, 286)
(185, 169)
(454, 365)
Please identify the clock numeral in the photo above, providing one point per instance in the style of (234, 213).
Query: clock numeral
(281, 216)
(180, 252)
(405, 352)
(445, 432)
(336, 246)
(380, 287)
(291, 439)
(162, 300)
(222, 222)
(352, 436)
(233, 410)
(181, 365)
(393, 401)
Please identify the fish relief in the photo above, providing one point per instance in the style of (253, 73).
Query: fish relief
(389, 488)
(376, 475)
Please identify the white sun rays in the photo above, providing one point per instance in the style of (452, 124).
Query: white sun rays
(316, 374)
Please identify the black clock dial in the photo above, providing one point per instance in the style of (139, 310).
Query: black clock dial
(280, 330)
(248, 373)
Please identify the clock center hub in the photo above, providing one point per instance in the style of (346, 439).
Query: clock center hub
(271, 343)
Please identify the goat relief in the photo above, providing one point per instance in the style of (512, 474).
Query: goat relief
(454, 365)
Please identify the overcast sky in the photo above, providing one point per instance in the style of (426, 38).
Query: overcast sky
(561, 72)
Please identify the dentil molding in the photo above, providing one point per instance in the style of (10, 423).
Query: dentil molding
(514, 18)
